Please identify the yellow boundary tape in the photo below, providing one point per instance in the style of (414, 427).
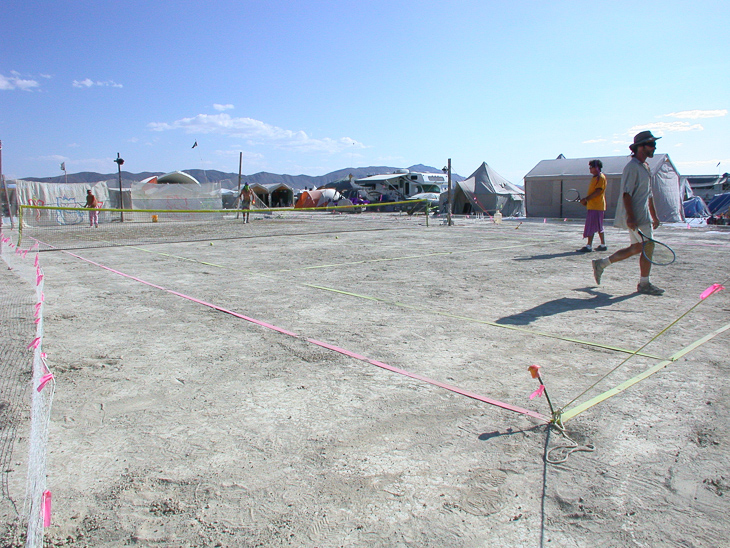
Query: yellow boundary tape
(231, 211)
(420, 308)
(570, 413)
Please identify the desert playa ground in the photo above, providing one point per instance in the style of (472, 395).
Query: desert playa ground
(273, 386)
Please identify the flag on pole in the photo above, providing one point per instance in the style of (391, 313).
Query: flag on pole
(195, 144)
(718, 164)
(63, 166)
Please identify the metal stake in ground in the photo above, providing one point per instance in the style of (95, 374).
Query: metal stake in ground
(535, 372)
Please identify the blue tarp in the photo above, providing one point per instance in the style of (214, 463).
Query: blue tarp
(695, 207)
(719, 204)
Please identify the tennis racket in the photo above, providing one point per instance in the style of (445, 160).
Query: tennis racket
(656, 252)
(572, 195)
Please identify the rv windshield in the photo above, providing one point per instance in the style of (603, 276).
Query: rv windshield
(431, 188)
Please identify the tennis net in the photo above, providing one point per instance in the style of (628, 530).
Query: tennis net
(77, 228)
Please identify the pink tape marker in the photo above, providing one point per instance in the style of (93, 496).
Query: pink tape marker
(36, 261)
(39, 279)
(46, 502)
(714, 288)
(34, 343)
(44, 380)
(537, 393)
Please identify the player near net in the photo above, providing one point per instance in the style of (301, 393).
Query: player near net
(246, 198)
(92, 204)
(595, 203)
(635, 211)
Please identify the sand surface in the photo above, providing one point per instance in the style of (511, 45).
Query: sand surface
(176, 423)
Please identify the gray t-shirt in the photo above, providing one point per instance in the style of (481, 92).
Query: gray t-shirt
(635, 181)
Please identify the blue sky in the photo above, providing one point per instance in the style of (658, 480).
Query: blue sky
(309, 87)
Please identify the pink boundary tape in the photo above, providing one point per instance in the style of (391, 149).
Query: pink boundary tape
(334, 348)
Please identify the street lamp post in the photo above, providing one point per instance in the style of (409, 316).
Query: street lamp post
(119, 163)
(447, 170)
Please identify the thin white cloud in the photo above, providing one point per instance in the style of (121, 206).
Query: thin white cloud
(710, 164)
(696, 114)
(221, 108)
(54, 158)
(88, 82)
(591, 141)
(256, 133)
(16, 81)
(662, 128)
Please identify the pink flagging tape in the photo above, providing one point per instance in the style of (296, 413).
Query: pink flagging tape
(334, 348)
(445, 386)
(44, 380)
(539, 392)
(714, 288)
(34, 343)
(46, 502)
(236, 314)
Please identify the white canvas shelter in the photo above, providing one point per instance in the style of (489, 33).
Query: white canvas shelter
(486, 191)
(547, 184)
(59, 195)
(176, 196)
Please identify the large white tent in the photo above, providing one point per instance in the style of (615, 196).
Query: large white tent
(548, 182)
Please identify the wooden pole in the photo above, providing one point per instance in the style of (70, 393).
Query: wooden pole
(236, 204)
(448, 211)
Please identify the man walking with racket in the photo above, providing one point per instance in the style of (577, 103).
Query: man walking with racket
(595, 202)
(635, 211)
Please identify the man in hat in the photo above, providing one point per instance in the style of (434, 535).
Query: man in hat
(635, 211)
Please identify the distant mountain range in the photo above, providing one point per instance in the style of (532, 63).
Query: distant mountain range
(230, 180)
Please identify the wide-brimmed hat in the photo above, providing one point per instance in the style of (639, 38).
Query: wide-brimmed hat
(642, 138)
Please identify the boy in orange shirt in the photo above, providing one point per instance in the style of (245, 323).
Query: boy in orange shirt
(596, 204)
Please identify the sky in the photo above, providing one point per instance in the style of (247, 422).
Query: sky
(310, 87)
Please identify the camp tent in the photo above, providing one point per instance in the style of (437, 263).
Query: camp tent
(274, 194)
(318, 198)
(350, 190)
(548, 182)
(486, 191)
(695, 208)
(720, 204)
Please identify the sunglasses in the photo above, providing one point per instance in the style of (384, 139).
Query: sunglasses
(651, 144)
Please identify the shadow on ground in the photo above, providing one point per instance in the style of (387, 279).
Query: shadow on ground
(546, 256)
(564, 304)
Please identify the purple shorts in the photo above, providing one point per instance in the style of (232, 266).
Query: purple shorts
(594, 223)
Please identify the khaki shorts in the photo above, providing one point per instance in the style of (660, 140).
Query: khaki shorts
(635, 237)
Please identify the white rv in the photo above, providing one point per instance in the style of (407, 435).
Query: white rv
(402, 184)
